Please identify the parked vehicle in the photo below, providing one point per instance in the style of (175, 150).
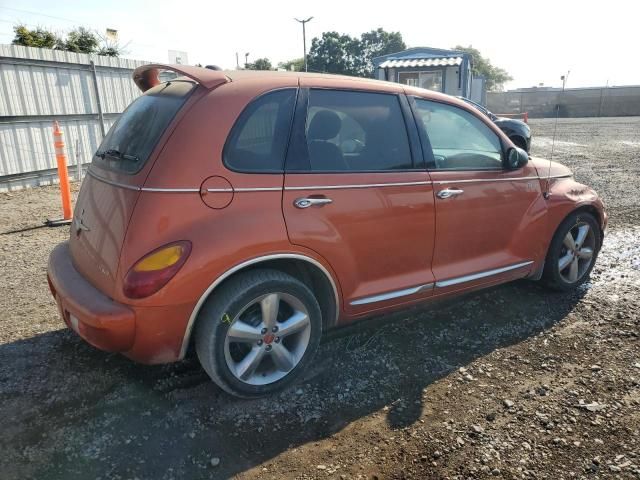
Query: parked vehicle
(517, 130)
(246, 213)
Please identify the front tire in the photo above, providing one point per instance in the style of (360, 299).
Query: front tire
(258, 332)
(572, 252)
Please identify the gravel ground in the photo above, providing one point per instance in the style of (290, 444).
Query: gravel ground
(512, 382)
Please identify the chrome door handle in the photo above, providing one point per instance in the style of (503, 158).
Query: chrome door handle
(309, 202)
(449, 192)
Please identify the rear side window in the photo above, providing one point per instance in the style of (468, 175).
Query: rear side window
(356, 131)
(130, 141)
(258, 140)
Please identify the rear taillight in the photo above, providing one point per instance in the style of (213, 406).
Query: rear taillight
(154, 270)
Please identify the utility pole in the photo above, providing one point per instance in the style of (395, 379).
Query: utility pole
(237, 62)
(246, 60)
(304, 39)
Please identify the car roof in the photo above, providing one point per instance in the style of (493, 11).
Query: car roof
(330, 80)
(146, 76)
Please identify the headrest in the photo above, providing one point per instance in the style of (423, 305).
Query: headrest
(325, 125)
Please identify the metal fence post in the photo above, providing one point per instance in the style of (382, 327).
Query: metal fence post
(95, 85)
(78, 161)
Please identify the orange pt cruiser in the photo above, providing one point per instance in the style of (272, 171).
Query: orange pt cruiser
(246, 213)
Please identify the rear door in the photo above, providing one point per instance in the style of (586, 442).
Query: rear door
(356, 192)
(117, 172)
(487, 216)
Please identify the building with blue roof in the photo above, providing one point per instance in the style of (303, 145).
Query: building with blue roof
(446, 71)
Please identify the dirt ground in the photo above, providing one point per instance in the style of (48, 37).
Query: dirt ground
(513, 382)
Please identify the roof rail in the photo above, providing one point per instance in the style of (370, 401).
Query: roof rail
(146, 76)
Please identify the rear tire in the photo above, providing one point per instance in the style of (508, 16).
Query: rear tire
(258, 332)
(572, 252)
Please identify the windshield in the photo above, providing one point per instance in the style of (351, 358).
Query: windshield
(130, 141)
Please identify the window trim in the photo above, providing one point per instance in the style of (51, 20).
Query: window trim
(429, 155)
(298, 138)
(236, 126)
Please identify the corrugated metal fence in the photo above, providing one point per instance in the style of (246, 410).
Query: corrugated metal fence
(37, 86)
(574, 102)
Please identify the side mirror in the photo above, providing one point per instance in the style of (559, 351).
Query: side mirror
(516, 158)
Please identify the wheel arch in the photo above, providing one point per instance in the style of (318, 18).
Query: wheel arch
(306, 269)
(587, 208)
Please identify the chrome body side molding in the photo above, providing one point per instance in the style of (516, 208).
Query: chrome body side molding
(359, 185)
(479, 275)
(439, 284)
(389, 295)
(253, 261)
(111, 182)
(485, 180)
(316, 187)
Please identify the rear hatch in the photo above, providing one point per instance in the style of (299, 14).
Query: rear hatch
(117, 173)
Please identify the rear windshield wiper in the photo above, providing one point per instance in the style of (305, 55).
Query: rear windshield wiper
(113, 153)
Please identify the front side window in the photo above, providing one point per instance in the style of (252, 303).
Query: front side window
(258, 141)
(356, 131)
(459, 139)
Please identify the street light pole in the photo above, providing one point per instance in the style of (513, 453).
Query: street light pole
(304, 39)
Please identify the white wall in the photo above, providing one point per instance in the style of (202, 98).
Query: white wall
(452, 81)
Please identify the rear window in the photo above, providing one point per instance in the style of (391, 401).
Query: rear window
(130, 141)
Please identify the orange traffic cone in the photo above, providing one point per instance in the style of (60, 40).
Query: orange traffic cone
(63, 175)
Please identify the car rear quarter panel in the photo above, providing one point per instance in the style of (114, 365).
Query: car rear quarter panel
(252, 223)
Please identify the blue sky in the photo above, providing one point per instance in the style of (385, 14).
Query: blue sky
(535, 41)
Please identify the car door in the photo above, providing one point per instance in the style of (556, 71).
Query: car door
(357, 193)
(486, 214)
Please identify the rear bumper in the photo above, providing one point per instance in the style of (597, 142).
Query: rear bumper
(103, 323)
(145, 334)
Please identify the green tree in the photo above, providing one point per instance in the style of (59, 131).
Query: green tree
(260, 64)
(38, 37)
(495, 77)
(335, 53)
(111, 51)
(295, 65)
(376, 43)
(110, 47)
(81, 40)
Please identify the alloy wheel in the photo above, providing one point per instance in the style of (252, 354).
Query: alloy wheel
(267, 339)
(577, 251)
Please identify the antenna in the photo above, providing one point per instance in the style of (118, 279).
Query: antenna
(564, 78)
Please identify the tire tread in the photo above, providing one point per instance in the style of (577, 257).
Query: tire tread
(215, 307)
